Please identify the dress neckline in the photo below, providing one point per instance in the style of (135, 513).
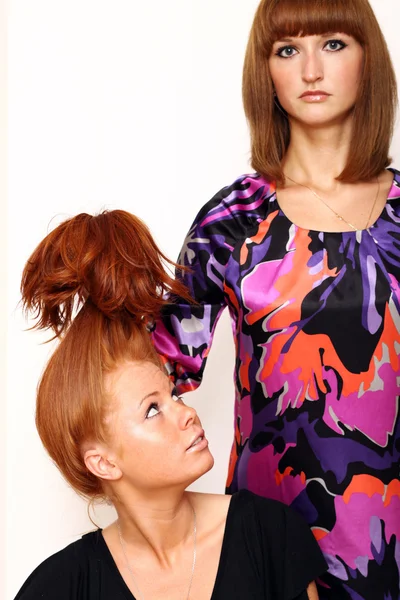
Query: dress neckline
(104, 549)
(351, 232)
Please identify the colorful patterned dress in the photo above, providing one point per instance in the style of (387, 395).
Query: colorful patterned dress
(316, 320)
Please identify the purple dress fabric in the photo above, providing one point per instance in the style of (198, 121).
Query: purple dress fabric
(316, 323)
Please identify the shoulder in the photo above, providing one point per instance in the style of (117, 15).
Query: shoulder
(248, 514)
(271, 516)
(245, 196)
(246, 501)
(212, 508)
(391, 212)
(268, 519)
(395, 187)
(396, 173)
(56, 576)
(285, 541)
(208, 502)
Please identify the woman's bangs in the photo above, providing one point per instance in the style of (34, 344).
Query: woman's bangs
(292, 18)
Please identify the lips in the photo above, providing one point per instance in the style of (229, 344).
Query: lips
(314, 93)
(199, 437)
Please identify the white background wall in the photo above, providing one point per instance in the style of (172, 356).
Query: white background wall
(3, 298)
(118, 104)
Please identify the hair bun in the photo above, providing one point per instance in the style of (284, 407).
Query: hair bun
(110, 260)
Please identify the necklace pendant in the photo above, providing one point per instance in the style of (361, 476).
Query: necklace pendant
(369, 231)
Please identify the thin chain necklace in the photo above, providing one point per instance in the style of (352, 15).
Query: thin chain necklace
(123, 547)
(333, 210)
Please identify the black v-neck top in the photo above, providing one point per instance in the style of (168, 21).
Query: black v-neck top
(268, 553)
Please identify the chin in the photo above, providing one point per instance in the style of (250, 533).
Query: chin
(202, 467)
(319, 116)
(207, 462)
(210, 463)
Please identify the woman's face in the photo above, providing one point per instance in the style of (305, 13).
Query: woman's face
(157, 439)
(316, 78)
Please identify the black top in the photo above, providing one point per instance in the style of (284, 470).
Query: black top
(268, 553)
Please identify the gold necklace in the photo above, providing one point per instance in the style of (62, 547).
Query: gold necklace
(333, 210)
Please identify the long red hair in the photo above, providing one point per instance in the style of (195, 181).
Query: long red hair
(96, 282)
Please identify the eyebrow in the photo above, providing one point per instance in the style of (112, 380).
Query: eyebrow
(155, 393)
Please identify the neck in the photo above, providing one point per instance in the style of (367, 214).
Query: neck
(317, 155)
(162, 523)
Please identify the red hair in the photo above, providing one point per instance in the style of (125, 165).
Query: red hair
(108, 271)
(375, 108)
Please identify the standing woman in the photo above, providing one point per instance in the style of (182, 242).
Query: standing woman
(306, 255)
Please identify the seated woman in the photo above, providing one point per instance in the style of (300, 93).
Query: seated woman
(112, 422)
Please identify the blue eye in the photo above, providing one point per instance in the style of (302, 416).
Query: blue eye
(331, 46)
(286, 51)
(153, 411)
(335, 45)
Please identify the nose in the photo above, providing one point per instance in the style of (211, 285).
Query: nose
(312, 68)
(187, 416)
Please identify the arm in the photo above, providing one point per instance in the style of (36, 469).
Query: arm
(184, 333)
(312, 591)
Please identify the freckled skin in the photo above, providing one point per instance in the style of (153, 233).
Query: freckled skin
(151, 441)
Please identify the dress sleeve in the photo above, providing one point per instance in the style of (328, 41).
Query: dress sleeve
(184, 333)
(304, 561)
(292, 556)
(57, 578)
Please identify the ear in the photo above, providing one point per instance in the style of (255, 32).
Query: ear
(101, 465)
